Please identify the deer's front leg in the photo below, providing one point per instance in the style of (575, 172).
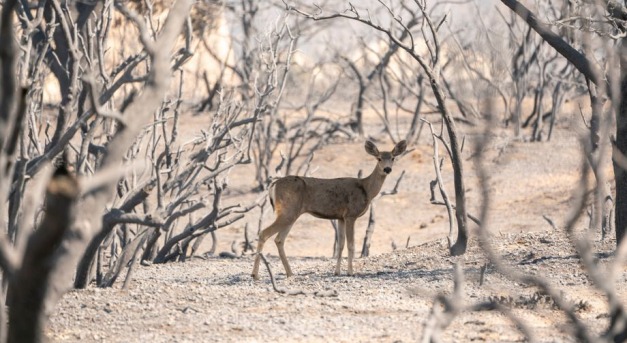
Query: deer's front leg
(341, 224)
(350, 235)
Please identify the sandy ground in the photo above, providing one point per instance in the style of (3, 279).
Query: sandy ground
(390, 298)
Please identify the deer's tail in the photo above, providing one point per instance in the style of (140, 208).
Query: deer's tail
(271, 192)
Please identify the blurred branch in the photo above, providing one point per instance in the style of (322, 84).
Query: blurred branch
(587, 67)
(28, 287)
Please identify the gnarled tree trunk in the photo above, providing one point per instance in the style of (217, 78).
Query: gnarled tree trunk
(621, 143)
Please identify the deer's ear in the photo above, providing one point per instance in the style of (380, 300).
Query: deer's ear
(399, 148)
(371, 149)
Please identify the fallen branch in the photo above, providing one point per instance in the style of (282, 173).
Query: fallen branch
(274, 285)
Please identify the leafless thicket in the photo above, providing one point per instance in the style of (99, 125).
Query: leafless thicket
(524, 72)
(580, 41)
(118, 107)
(91, 133)
(603, 25)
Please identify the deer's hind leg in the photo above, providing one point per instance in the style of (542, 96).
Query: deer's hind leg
(280, 243)
(281, 224)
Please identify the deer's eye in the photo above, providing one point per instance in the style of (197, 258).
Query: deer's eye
(379, 159)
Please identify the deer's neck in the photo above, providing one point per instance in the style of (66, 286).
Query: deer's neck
(373, 183)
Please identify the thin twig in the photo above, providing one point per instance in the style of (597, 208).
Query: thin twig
(277, 289)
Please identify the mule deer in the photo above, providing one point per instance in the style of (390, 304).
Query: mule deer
(344, 199)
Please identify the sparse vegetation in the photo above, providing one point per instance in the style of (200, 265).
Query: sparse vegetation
(138, 140)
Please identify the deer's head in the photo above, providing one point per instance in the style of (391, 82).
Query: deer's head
(386, 158)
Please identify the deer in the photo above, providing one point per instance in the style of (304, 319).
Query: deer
(344, 199)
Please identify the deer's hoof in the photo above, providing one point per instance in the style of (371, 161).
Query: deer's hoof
(255, 277)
